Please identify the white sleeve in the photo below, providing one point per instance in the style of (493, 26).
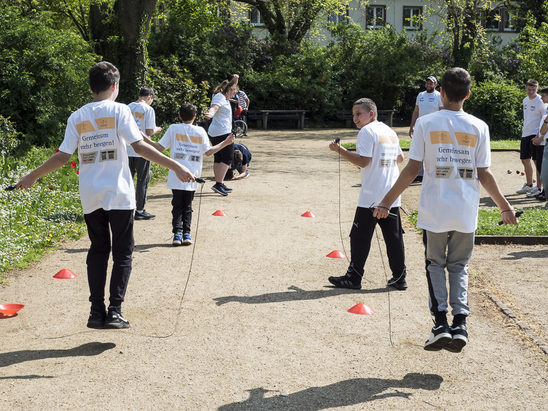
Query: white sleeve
(165, 141)
(218, 99)
(70, 142)
(127, 127)
(365, 143)
(205, 140)
(483, 150)
(150, 119)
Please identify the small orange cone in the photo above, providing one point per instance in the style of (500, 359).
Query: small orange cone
(362, 309)
(308, 214)
(336, 254)
(219, 213)
(65, 274)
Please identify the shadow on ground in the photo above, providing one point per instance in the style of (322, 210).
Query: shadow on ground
(345, 393)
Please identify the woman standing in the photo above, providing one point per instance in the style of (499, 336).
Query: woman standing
(220, 128)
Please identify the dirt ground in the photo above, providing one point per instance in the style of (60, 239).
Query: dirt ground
(259, 328)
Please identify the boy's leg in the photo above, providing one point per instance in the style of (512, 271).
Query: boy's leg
(143, 177)
(459, 251)
(392, 233)
(97, 258)
(188, 196)
(177, 211)
(544, 169)
(121, 224)
(435, 260)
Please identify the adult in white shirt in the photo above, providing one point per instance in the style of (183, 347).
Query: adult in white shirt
(428, 101)
(220, 113)
(533, 111)
(145, 118)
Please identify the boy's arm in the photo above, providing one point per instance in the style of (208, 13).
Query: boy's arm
(227, 141)
(488, 182)
(152, 131)
(354, 158)
(51, 164)
(406, 177)
(154, 155)
(153, 143)
(242, 174)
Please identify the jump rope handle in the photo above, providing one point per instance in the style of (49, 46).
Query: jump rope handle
(199, 180)
(9, 188)
(518, 213)
(337, 140)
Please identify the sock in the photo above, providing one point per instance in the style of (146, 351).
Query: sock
(140, 211)
(440, 318)
(459, 319)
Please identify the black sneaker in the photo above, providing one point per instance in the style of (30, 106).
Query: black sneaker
(143, 215)
(439, 338)
(115, 320)
(227, 189)
(417, 179)
(459, 338)
(345, 282)
(96, 320)
(541, 196)
(397, 283)
(218, 188)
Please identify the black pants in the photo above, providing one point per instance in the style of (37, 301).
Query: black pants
(361, 234)
(182, 210)
(100, 224)
(141, 167)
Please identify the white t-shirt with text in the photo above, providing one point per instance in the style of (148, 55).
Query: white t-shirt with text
(187, 144)
(145, 117)
(451, 145)
(428, 102)
(533, 110)
(100, 131)
(221, 123)
(379, 142)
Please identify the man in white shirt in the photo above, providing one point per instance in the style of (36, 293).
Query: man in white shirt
(533, 111)
(145, 117)
(428, 101)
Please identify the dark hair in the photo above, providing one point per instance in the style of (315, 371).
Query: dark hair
(102, 76)
(544, 91)
(146, 91)
(367, 104)
(532, 83)
(224, 87)
(187, 112)
(456, 84)
(238, 157)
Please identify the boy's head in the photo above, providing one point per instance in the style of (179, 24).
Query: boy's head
(238, 158)
(544, 94)
(455, 83)
(364, 111)
(102, 76)
(147, 94)
(531, 87)
(187, 112)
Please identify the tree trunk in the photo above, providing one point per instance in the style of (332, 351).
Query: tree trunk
(120, 36)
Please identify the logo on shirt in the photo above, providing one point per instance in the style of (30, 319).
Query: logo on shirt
(466, 173)
(108, 155)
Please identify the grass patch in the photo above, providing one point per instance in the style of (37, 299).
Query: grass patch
(533, 222)
(495, 144)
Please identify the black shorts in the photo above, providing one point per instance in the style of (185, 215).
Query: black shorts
(226, 154)
(538, 152)
(526, 147)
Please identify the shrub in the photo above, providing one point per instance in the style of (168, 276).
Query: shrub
(500, 106)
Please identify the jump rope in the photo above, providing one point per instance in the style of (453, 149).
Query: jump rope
(337, 140)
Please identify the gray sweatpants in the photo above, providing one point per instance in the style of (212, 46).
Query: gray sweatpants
(141, 167)
(451, 250)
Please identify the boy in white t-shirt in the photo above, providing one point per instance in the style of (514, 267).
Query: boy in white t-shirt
(145, 117)
(543, 135)
(454, 148)
(377, 154)
(187, 145)
(100, 131)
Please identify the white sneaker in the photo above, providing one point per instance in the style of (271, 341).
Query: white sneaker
(525, 189)
(535, 191)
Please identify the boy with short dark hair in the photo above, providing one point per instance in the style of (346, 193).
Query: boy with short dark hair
(240, 162)
(187, 144)
(454, 148)
(100, 131)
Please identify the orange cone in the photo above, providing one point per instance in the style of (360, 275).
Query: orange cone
(219, 213)
(361, 309)
(65, 274)
(308, 214)
(336, 254)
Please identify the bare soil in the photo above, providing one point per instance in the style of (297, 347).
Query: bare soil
(259, 327)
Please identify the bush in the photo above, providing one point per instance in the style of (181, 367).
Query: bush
(43, 75)
(500, 106)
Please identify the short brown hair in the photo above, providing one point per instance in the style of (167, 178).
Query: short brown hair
(456, 84)
(102, 76)
(532, 83)
(367, 104)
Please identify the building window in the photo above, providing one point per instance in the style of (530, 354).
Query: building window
(255, 17)
(375, 17)
(340, 17)
(499, 20)
(412, 18)
(507, 21)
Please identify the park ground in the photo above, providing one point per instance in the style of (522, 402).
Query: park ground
(259, 328)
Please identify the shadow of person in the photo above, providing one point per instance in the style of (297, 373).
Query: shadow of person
(518, 255)
(84, 350)
(344, 393)
(295, 294)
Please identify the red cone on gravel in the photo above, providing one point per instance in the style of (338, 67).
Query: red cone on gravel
(9, 310)
(308, 214)
(336, 254)
(361, 309)
(65, 274)
(219, 213)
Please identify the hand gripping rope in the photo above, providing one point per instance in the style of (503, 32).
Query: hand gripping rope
(337, 140)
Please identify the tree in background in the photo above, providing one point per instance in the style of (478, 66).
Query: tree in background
(528, 12)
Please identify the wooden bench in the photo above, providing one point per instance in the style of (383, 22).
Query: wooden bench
(262, 116)
(382, 115)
